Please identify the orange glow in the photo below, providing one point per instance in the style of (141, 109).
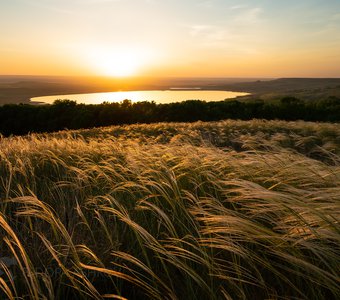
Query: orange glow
(117, 62)
(170, 38)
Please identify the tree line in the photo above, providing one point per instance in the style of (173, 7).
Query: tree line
(66, 114)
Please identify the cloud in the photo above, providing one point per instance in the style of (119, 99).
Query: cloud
(65, 6)
(95, 1)
(48, 5)
(249, 16)
(239, 6)
(235, 36)
(211, 35)
(335, 17)
(206, 4)
(236, 28)
(197, 30)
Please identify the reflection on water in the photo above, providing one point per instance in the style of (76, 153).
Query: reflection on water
(167, 96)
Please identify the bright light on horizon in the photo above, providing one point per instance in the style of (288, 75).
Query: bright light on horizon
(117, 61)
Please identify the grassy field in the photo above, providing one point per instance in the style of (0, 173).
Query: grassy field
(225, 210)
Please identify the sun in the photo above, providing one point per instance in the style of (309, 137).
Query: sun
(118, 62)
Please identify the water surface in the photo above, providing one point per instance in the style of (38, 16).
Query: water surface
(166, 96)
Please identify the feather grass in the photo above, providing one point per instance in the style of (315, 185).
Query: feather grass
(230, 209)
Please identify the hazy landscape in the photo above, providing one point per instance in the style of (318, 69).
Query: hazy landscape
(20, 89)
(170, 150)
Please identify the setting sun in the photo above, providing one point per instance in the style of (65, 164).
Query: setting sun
(118, 62)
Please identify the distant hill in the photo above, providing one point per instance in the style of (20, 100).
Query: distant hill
(303, 88)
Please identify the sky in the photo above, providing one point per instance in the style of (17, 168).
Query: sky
(170, 38)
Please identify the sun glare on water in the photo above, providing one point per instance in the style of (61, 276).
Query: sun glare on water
(119, 62)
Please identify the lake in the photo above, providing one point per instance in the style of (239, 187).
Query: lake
(164, 96)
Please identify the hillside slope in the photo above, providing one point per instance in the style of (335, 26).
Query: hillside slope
(232, 209)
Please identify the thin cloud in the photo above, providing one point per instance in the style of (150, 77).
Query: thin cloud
(212, 36)
(96, 1)
(335, 17)
(249, 16)
(199, 30)
(50, 7)
(206, 4)
(240, 6)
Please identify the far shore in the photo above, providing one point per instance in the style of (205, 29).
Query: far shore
(20, 89)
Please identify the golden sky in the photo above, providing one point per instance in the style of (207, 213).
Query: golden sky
(191, 38)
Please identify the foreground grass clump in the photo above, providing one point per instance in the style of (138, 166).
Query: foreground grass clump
(233, 209)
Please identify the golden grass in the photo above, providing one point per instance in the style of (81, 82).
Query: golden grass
(231, 209)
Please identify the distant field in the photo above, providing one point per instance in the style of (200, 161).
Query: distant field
(308, 89)
(230, 209)
(19, 89)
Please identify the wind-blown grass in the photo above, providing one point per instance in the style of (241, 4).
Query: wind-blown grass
(232, 209)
